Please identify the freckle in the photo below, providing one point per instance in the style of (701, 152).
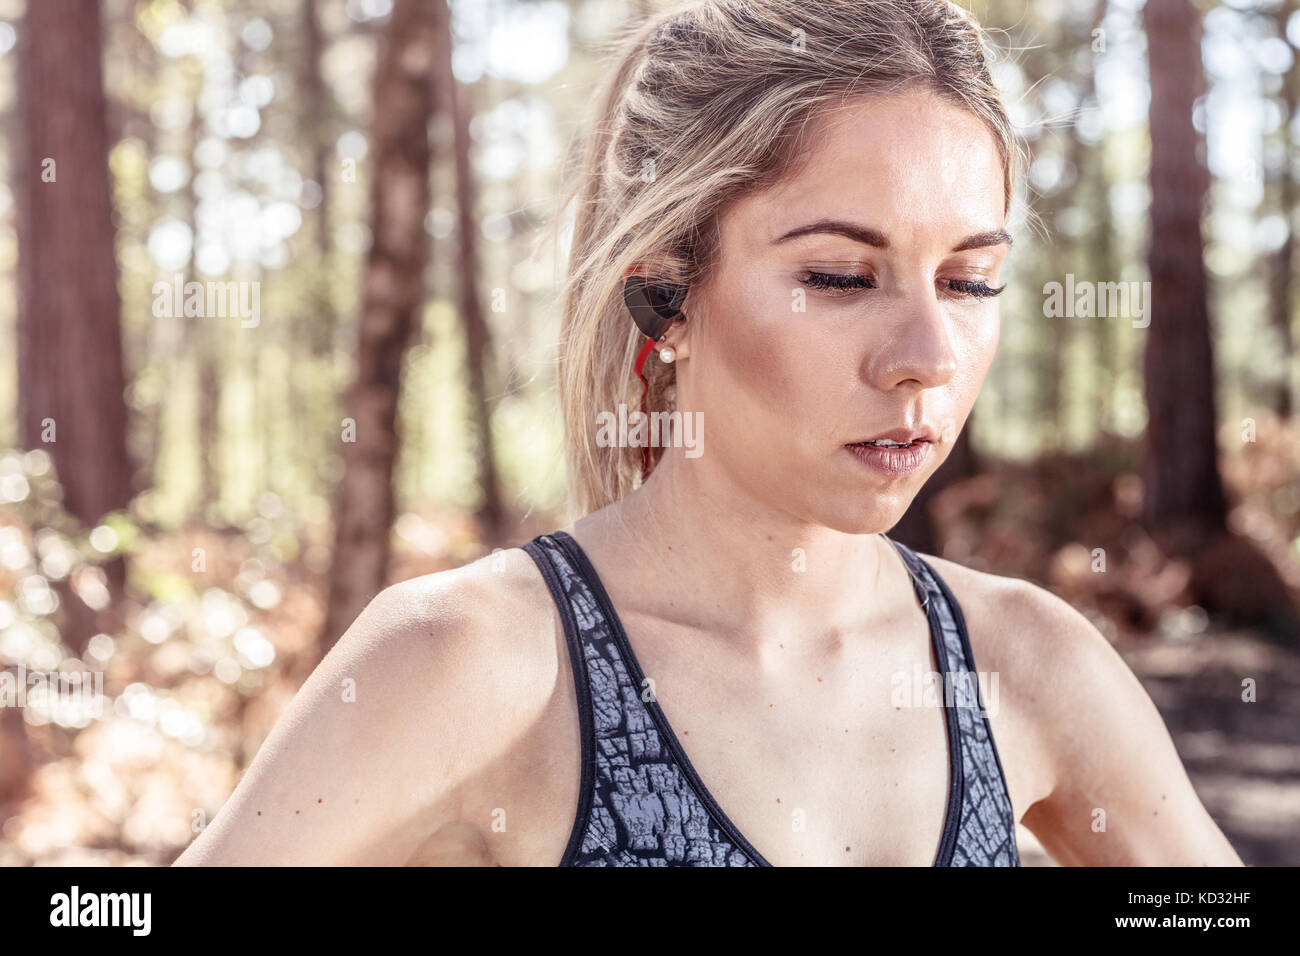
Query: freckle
(297, 811)
(819, 680)
(1163, 797)
(1155, 813)
(778, 799)
(686, 733)
(846, 849)
(898, 708)
(259, 813)
(319, 800)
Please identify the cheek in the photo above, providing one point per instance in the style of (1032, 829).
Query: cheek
(768, 356)
(975, 352)
(985, 345)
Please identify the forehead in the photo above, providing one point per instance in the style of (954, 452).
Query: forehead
(911, 165)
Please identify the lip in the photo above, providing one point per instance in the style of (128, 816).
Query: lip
(893, 463)
(903, 434)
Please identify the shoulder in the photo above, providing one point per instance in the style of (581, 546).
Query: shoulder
(1108, 785)
(433, 678)
(1011, 618)
(1014, 610)
(489, 622)
(1052, 654)
(1055, 670)
(500, 593)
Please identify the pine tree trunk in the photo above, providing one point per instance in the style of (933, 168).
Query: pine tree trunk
(70, 370)
(1282, 277)
(319, 329)
(69, 343)
(394, 291)
(1180, 474)
(491, 512)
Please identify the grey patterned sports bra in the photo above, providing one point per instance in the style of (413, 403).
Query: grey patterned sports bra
(642, 803)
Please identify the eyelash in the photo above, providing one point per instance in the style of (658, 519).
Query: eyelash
(849, 283)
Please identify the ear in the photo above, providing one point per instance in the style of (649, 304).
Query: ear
(678, 336)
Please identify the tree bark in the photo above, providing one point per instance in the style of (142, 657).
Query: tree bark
(491, 511)
(1281, 275)
(69, 342)
(317, 112)
(1180, 471)
(404, 96)
(70, 370)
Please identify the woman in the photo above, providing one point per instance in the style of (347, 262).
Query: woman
(718, 664)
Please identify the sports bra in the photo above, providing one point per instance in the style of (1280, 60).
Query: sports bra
(641, 802)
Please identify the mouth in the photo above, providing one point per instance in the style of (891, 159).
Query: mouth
(885, 443)
(895, 454)
(898, 438)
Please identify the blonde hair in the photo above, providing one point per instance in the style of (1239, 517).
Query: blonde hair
(708, 101)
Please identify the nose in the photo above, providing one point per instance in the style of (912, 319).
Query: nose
(915, 347)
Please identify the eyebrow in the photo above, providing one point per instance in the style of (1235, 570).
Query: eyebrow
(874, 237)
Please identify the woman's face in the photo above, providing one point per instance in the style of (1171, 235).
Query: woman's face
(845, 306)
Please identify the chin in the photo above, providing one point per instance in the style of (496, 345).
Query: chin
(877, 516)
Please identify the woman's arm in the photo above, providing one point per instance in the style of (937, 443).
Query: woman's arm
(1119, 794)
(365, 764)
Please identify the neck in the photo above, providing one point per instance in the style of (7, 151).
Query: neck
(704, 552)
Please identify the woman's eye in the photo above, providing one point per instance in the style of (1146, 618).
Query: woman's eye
(976, 290)
(837, 282)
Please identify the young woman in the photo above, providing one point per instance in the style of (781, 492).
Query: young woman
(726, 661)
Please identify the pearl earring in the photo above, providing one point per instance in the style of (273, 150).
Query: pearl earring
(667, 355)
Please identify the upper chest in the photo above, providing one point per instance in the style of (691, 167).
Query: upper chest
(834, 756)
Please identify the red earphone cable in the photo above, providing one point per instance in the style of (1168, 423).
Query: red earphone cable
(645, 385)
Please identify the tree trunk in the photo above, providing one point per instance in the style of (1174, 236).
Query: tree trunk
(1180, 472)
(391, 300)
(491, 512)
(1281, 277)
(320, 329)
(70, 370)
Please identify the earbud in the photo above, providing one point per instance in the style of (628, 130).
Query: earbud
(654, 305)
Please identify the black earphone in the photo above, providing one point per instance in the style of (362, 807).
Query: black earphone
(654, 305)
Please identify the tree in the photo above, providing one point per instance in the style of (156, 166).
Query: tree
(491, 511)
(394, 291)
(70, 374)
(1180, 470)
(1283, 186)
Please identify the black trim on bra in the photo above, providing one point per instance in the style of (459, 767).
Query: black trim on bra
(956, 764)
(633, 665)
(586, 721)
(579, 559)
(960, 618)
